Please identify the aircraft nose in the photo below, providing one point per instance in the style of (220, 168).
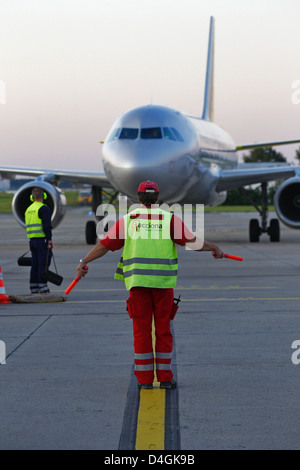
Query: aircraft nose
(128, 164)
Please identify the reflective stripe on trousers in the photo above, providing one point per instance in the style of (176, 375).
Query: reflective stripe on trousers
(145, 362)
(163, 361)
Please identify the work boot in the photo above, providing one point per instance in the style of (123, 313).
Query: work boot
(171, 384)
(145, 386)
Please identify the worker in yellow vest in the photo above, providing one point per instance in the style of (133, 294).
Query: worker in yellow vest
(39, 232)
(148, 267)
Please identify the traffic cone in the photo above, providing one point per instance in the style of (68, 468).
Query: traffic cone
(4, 299)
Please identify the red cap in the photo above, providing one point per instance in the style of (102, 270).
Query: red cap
(148, 187)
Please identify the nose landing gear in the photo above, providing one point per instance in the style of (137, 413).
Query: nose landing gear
(91, 236)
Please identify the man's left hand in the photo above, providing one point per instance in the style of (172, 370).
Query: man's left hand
(218, 253)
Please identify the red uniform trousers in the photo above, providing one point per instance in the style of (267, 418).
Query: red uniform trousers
(143, 304)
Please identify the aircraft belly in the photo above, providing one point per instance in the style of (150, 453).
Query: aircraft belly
(172, 177)
(201, 188)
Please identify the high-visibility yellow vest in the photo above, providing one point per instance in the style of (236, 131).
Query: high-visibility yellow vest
(149, 257)
(33, 223)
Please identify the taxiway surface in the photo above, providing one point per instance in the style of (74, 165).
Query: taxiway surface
(68, 364)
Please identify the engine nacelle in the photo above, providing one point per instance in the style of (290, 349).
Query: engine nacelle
(56, 201)
(287, 202)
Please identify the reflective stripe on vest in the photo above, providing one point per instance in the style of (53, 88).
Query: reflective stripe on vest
(149, 257)
(33, 223)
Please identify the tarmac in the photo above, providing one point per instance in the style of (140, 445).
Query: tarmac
(68, 365)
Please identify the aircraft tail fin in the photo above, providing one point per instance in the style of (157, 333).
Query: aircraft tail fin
(208, 107)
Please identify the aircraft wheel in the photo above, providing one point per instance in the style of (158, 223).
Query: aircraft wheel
(254, 230)
(274, 230)
(90, 232)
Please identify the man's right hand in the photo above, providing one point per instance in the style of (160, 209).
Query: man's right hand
(82, 270)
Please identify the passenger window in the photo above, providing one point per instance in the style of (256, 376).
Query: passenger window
(113, 135)
(178, 136)
(151, 133)
(168, 134)
(129, 133)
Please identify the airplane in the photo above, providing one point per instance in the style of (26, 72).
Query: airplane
(192, 159)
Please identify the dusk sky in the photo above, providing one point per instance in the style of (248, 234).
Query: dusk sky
(69, 68)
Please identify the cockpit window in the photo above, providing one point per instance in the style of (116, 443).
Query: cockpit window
(129, 133)
(178, 136)
(168, 134)
(151, 133)
(114, 134)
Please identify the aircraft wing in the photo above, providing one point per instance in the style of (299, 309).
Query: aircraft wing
(267, 144)
(256, 173)
(230, 179)
(55, 176)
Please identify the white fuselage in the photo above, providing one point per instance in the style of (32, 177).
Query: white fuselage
(181, 153)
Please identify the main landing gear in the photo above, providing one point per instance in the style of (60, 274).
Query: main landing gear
(255, 230)
(91, 226)
(90, 232)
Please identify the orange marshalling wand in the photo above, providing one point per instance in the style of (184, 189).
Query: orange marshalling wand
(238, 258)
(74, 282)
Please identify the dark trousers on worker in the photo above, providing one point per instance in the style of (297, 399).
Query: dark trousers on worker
(38, 248)
(144, 305)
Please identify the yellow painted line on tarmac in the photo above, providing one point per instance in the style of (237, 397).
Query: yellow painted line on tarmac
(233, 299)
(225, 287)
(155, 382)
(150, 433)
(201, 299)
(184, 288)
(95, 301)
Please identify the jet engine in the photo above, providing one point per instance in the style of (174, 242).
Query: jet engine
(287, 202)
(56, 201)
